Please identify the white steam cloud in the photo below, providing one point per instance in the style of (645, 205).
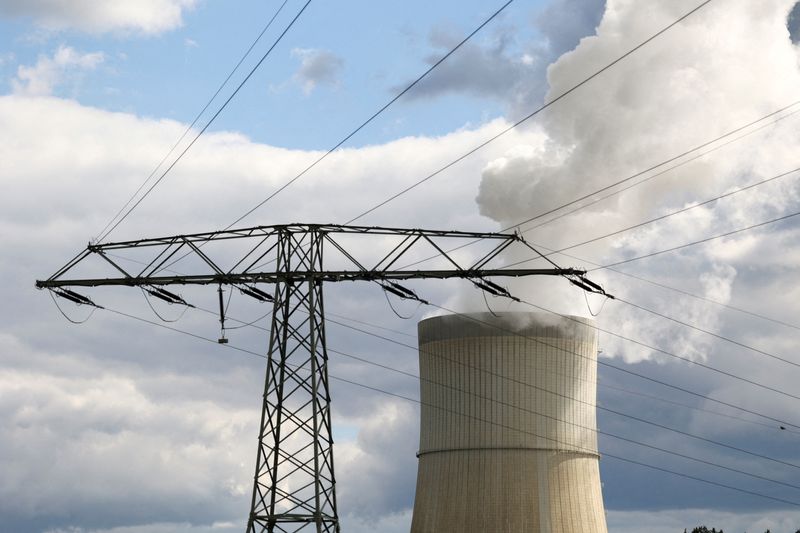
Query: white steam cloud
(726, 65)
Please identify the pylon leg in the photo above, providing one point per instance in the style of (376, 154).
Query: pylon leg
(294, 485)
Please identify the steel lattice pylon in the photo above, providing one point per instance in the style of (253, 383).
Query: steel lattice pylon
(294, 483)
(294, 487)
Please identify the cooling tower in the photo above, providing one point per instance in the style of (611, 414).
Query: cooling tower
(506, 430)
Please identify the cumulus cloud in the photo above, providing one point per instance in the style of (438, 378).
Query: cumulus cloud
(317, 67)
(142, 16)
(161, 429)
(42, 78)
(140, 414)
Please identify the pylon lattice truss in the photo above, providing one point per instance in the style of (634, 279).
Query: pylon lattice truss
(294, 485)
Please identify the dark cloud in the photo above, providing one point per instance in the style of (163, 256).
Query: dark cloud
(503, 69)
(793, 23)
(496, 70)
(317, 67)
(565, 22)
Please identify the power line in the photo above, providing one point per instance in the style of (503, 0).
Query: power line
(556, 419)
(707, 332)
(605, 385)
(414, 348)
(674, 289)
(531, 115)
(360, 126)
(636, 175)
(703, 298)
(210, 121)
(373, 116)
(660, 218)
(692, 407)
(663, 217)
(605, 455)
(661, 164)
(388, 339)
(686, 359)
(516, 381)
(539, 342)
(647, 465)
(701, 241)
(680, 357)
(661, 173)
(632, 417)
(196, 118)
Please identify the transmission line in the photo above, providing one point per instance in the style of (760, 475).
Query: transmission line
(673, 289)
(647, 465)
(556, 419)
(372, 117)
(681, 357)
(210, 121)
(196, 118)
(641, 376)
(530, 115)
(641, 420)
(663, 217)
(636, 175)
(701, 241)
(661, 173)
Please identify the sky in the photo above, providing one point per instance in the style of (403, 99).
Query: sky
(117, 425)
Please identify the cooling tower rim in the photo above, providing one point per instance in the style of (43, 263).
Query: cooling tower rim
(505, 324)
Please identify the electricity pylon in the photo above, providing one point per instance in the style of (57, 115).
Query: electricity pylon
(294, 484)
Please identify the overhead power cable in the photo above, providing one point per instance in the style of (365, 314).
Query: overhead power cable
(674, 289)
(208, 124)
(662, 217)
(703, 298)
(692, 407)
(196, 118)
(663, 163)
(360, 126)
(539, 341)
(530, 115)
(492, 422)
(372, 117)
(680, 357)
(778, 423)
(661, 173)
(599, 362)
(680, 157)
(605, 454)
(625, 415)
(701, 241)
(561, 420)
(707, 332)
(414, 348)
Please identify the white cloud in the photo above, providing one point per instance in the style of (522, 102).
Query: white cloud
(142, 16)
(161, 430)
(151, 421)
(42, 78)
(317, 67)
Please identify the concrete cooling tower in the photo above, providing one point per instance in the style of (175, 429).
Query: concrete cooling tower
(506, 438)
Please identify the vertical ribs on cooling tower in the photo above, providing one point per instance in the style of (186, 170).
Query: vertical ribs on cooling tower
(507, 440)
